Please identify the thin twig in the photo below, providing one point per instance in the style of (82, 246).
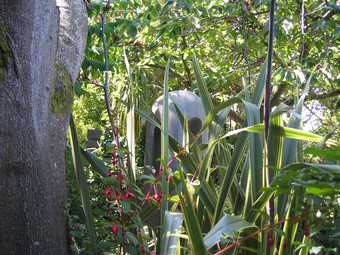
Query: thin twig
(115, 131)
(186, 68)
(106, 67)
(303, 32)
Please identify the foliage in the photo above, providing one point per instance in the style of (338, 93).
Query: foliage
(217, 49)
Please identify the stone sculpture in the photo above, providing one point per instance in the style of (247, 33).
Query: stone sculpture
(191, 107)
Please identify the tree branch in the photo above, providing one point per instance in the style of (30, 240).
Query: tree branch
(233, 116)
(315, 96)
(329, 94)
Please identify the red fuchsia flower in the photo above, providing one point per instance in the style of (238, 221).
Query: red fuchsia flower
(108, 192)
(114, 162)
(115, 229)
(109, 173)
(158, 196)
(160, 170)
(148, 197)
(306, 231)
(128, 195)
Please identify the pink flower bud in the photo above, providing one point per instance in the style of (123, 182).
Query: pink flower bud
(158, 196)
(115, 229)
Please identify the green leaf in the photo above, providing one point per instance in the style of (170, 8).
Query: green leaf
(275, 145)
(206, 162)
(239, 150)
(321, 189)
(291, 133)
(148, 117)
(255, 150)
(126, 207)
(334, 169)
(227, 225)
(132, 29)
(208, 197)
(95, 162)
(130, 123)
(290, 146)
(216, 110)
(165, 150)
(191, 221)
(148, 211)
(259, 89)
(131, 237)
(202, 87)
(186, 160)
(172, 229)
(332, 153)
(235, 163)
(258, 206)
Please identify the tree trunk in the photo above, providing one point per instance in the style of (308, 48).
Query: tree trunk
(42, 44)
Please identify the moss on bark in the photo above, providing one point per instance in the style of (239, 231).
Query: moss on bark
(62, 91)
(5, 52)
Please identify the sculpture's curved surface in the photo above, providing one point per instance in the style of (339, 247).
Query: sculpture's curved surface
(191, 107)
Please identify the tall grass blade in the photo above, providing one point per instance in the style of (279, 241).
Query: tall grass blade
(190, 218)
(258, 206)
(82, 184)
(246, 183)
(214, 113)
(276, 146)
(206, 162)
(202, 87)
(165, 150)
(259, 89)
(227, 225)
(286, 238)
(172, 229)
(186, 159)
(208, 197)
(290, 146)
(235, 163)
(149, 117)
(280, 131)
(239, 150)
(130, 123)
(96, 163)
(255, 150)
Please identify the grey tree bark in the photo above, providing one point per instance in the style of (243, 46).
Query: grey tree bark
(42, 44)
